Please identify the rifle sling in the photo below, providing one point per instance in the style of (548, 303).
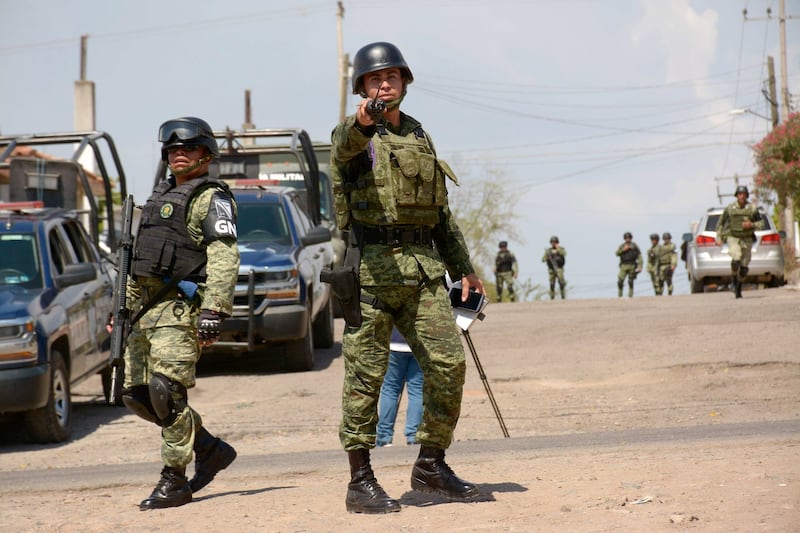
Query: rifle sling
(172, 283)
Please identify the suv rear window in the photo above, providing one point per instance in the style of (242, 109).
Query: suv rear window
(713, 220)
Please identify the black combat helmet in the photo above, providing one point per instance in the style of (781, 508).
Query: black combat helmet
(654, 236)
(503, 244)
(666, 235)
(553, 239)
(186, 131)
(742, 188)
(377, 56)
(627, 235)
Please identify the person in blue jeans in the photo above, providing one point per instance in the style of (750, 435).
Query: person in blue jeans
(403, 368)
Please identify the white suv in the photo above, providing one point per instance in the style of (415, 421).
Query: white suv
(708, 263)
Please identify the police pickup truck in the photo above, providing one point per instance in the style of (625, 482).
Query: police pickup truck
(56, 286)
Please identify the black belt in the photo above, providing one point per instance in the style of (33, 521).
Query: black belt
(395, 235)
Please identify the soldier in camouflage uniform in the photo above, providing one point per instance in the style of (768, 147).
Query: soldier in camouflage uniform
(390, 192)
(505, 271)
(555, 257)
(630, 263)
(652, 260)
(666, 263)
(187, 231)
(737, 226)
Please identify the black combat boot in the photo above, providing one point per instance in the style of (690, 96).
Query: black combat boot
(211, 454)
(172, 490)
(364, 493)
(736, 282)
(431, 474)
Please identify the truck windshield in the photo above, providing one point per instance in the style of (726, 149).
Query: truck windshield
(19, 260)
(261, 222)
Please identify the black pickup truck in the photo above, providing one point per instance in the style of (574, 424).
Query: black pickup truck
(56, 282)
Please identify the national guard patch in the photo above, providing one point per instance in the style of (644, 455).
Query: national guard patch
(166, 210)
(220, 222)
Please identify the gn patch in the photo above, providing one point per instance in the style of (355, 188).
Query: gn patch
(220, 221)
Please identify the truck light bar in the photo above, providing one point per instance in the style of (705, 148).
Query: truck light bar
(18, 206)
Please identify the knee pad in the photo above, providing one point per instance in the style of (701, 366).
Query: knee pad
(620, 283)
(735, 266)
(137, 400)
(168, 398)
(743, 271)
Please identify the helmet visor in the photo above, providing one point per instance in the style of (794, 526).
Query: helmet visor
(183, 130)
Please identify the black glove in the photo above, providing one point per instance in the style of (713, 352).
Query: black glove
(209, 326)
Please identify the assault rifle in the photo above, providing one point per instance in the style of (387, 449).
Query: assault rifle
(551, 262)
(122, 316)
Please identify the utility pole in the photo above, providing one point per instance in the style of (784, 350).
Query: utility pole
(788, 216)
(83, 117)
(787, 219)
(772, 96)
(344, 64)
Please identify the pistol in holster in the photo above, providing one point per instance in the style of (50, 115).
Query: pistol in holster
(346, 286)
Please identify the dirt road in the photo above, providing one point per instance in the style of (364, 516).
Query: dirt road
(647, 414)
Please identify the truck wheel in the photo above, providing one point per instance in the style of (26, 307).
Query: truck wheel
(323, 327)
(105, 376)
(53, 422)
(697, 286)
(300, 353)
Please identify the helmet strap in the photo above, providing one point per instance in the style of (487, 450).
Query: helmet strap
(202, 161)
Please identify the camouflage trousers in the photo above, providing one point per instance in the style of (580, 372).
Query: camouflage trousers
(739, 250)
(665, 273)
(507, 279)
(554, 275)
(424, 317)
(172, 351)
(626, 270)
(654, 278)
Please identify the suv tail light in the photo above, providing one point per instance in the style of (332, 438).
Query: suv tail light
(705, 240)
(771, 239)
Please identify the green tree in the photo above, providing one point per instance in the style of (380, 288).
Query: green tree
(778, 163)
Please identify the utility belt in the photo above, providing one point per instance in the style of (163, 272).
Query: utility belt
(396, 235)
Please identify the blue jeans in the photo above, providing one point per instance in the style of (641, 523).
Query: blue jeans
(403, 368)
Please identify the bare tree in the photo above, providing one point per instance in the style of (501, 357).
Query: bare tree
(485, 210)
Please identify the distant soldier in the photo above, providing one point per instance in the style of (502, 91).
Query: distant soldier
(667, 261)
(652, 260)
(505, 271)
(737, 226)
(555, 257)
(630, 263)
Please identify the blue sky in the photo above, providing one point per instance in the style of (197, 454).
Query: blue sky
(601, 116)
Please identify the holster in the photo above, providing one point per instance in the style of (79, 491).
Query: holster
(346, 287)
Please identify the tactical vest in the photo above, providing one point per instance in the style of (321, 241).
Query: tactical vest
(163, 244)
(406, 184)
(556, 259)
(737, 215)
(504, 261)
(630, 255)
(665, 252)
